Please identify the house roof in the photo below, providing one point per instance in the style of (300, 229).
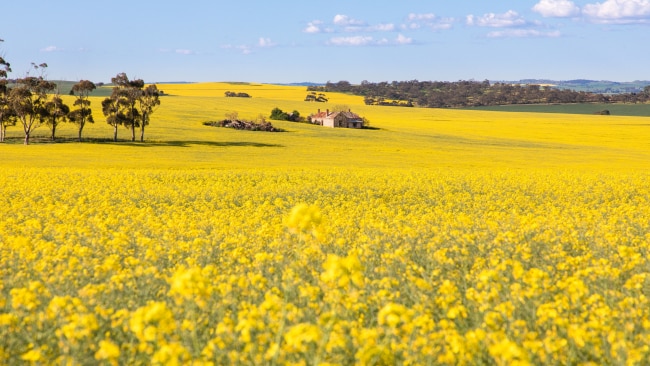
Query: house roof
(348, 115)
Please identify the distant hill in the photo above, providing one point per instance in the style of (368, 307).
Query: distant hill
(593, 86)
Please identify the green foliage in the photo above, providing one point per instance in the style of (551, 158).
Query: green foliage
(130, 104)
(83, 113)
(237, 95)
(279, 115)
(313, 97)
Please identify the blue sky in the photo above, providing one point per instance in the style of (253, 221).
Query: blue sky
(318, 41)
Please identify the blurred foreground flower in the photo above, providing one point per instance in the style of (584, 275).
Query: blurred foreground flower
(304, 218)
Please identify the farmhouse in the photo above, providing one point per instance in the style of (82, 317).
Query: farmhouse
(337, 119)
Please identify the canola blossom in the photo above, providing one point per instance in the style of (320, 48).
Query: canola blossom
(423, 267)
(449, 242)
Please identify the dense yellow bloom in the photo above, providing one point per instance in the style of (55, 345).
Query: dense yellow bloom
(440, 237)
(107, 351)
(302, 336)
(342, 271)
(304, 218)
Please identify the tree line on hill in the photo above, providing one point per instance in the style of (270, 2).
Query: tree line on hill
(33, 101)
(464, 93)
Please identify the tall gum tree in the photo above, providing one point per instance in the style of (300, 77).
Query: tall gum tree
(148, 101)
(130, 104)
(114, 116)
(28, 99)
(82, 114)
(54, 113)
(7, 117)
(127, 92)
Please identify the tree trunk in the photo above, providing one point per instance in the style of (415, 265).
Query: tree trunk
(133, 132)
(53, 132)
(115, 133)
(3, 131)
(81, 127)
(26, 142)
(142, 133)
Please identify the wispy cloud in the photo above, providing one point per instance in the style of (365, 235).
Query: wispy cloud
(344, 20)
(512, 25)
(524, 33)
(51, 49)
(557, 8)
(351, 41)
(316, 26)
(506, 20)
(401, 39)
(427, 20)
(342, 23)
(247, 49)
(178, 51)
(384, 27)
(243, 49)
(266, 43)
(359, 41)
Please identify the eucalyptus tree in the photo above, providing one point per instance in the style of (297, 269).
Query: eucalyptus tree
(130, 104)
(82, 114)
(113, 114)
(127, 92)
(148, 101)
(28, 99)
(7, 117)
(54, 112)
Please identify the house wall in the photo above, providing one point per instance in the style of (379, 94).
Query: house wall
(329, 122)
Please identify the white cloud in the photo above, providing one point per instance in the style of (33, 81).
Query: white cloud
(618, 11)
(419, 17)
(430, 20)
(184, 52)
(351, 41)
(313, 27)
(344, 24)
(266, 42)
(556, 8)
(388, 27)
(523, 33)
(508, 19)
(344, 20)
(51, 49)
(401, 39)
(358, 41)
(244, 49)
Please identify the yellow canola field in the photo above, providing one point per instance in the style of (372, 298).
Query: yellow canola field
(441, 237)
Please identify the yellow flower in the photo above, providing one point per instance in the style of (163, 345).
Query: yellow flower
(33, 355)
(342, 271)
(304, 218)
(301, 337)
(392, 315)
(107, 350)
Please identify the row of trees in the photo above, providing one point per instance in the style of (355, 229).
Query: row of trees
(33, 101)
(30, 103)
(131, 105)
(470, 93)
